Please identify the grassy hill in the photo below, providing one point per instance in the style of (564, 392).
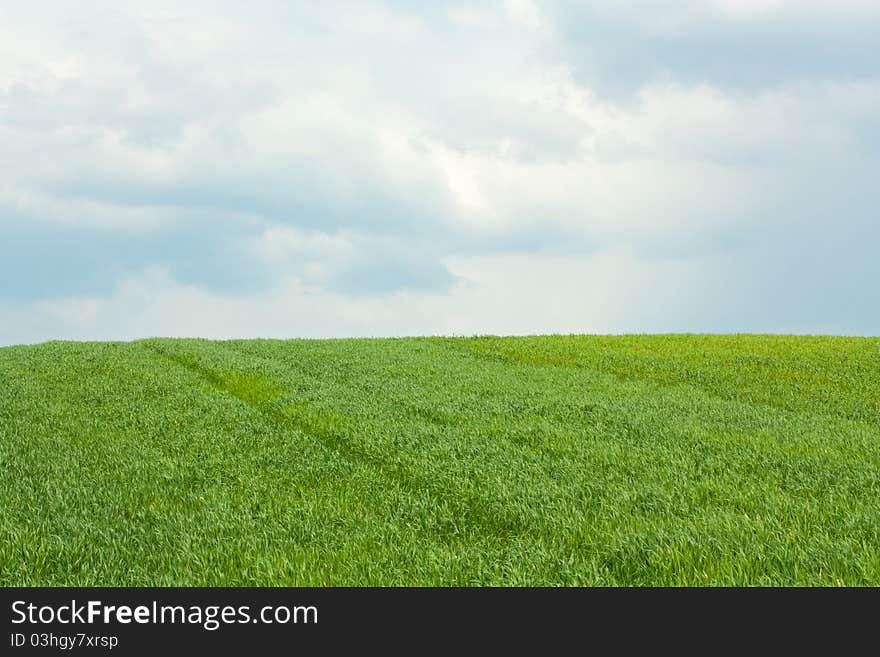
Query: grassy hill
(545, 460)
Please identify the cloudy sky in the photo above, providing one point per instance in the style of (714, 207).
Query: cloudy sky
(397, 168)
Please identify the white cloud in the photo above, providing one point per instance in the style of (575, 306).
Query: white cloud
(262, 125)
(462, 141)
(524, 12)
(309, 257)
(281, 243)
(519, 294)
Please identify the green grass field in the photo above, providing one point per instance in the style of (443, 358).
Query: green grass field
(567, 460)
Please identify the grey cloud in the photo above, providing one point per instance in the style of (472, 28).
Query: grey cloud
(617, 50)
(380, 273)
(393, 126)
(76, 261)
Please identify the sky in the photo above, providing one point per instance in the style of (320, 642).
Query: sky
(293, 169)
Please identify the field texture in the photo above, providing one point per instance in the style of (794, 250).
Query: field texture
(566, 460)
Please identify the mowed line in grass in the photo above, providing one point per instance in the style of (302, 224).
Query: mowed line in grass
(350, 376)
(466, 470)
(805, 464)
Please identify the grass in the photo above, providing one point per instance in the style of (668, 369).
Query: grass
(564, 460)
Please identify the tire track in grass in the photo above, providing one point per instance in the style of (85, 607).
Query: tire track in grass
(478, 514)
(555, 537)
(557, 461)
(702, 450)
